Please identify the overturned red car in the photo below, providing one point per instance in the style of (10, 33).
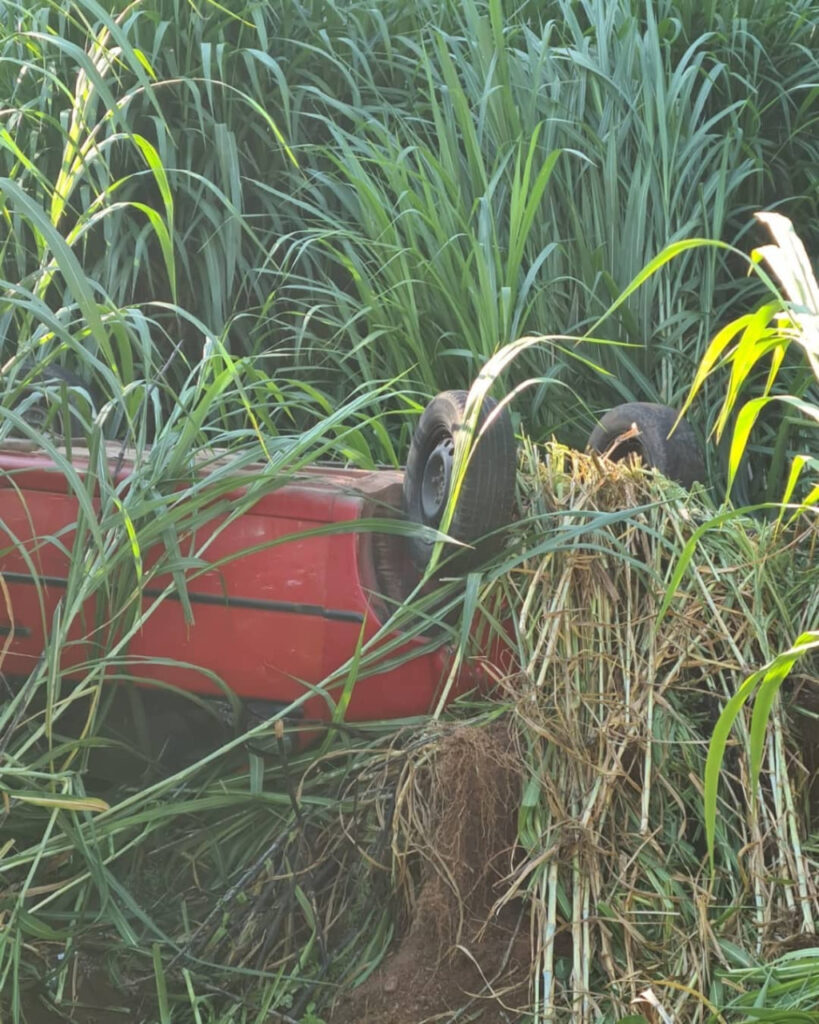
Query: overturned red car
(296, 587)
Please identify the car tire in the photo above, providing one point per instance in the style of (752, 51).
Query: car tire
(676, 455)
(487, 495)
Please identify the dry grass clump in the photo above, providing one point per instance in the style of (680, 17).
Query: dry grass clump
(615, 705)
(454, 838)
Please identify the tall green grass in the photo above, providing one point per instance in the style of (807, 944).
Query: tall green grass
(360, 192)
(276, 229)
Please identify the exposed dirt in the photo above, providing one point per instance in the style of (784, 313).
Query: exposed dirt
(456, 951)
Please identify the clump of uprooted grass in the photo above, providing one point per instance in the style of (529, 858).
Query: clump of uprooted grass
(615, 701)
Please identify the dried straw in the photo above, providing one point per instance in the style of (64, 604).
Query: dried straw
(614, 709)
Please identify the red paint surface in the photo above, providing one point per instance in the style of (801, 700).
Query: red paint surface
(263, 654)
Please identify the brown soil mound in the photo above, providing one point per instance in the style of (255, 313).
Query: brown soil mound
(459, 813)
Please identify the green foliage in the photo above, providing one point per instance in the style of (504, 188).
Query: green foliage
(276, 228)
(764, 337)
(357, 192)
(760, 341)
(784, 991)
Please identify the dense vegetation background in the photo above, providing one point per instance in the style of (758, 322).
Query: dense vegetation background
(280, 227)
(356, 193)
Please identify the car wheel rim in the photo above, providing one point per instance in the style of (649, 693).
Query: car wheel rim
(437, 476)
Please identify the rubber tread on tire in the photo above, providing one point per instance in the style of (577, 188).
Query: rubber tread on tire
(676, 455)
(487, 495)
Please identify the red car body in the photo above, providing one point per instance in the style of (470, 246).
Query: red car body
(271, 624)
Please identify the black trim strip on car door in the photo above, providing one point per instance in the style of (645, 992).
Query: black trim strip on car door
(8, 630)
(255, 603)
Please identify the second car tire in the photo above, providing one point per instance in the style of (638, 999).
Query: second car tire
(673, 451)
